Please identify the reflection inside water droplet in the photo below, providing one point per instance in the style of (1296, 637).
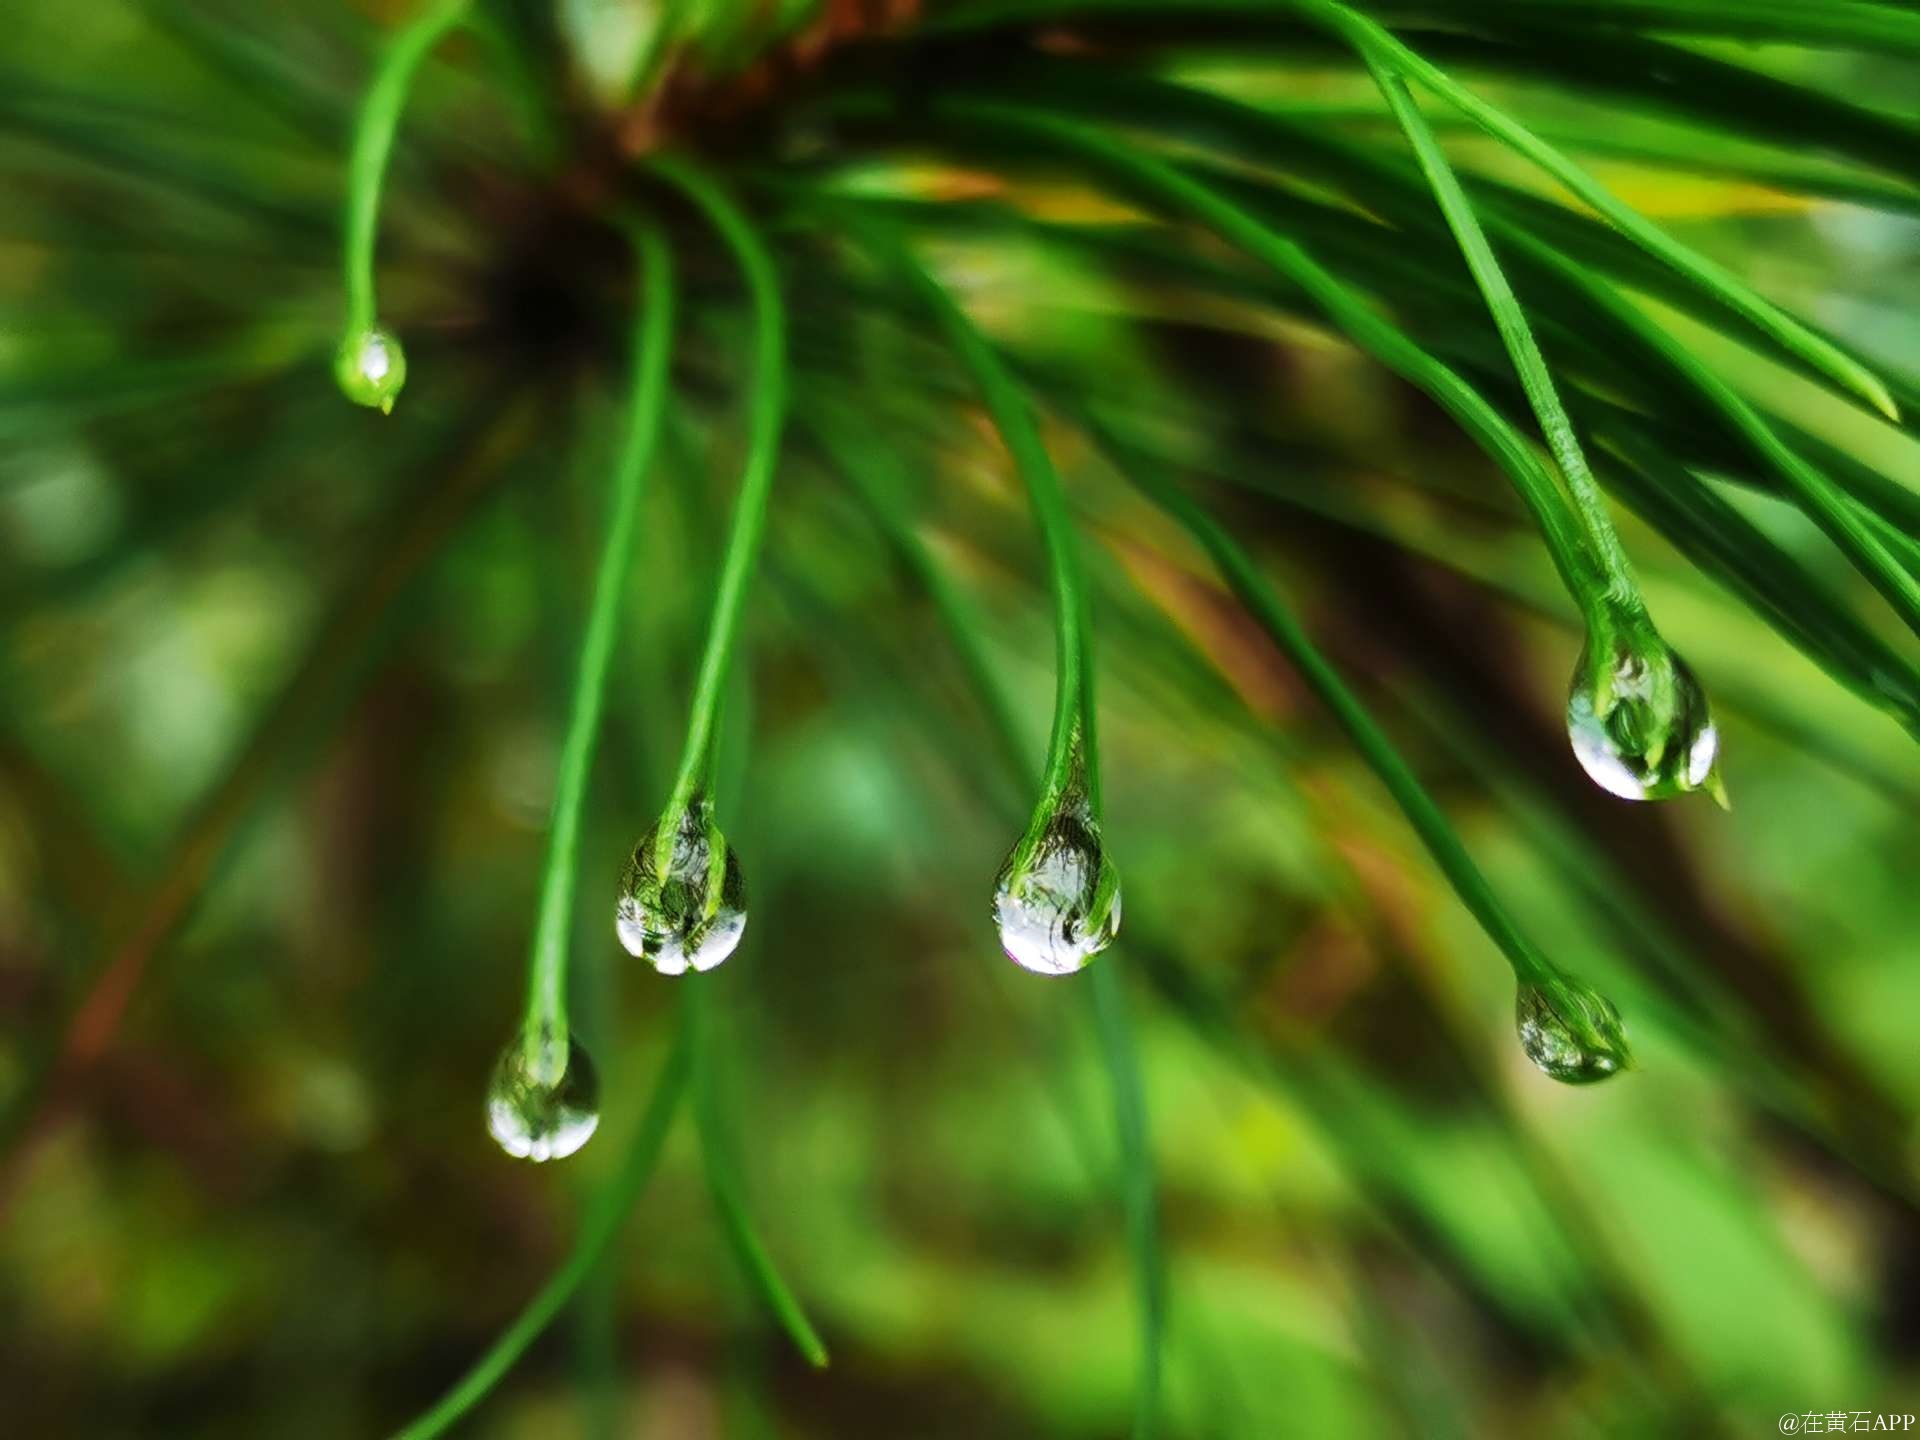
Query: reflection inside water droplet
(1057, 898)
(1573, 1033)
(535, 1116)
(686, 907)
(1640, 726)
(370, 368)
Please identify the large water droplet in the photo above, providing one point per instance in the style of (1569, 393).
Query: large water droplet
(1571, 1031)
(1057, 899)
(536, 1113)
(1640, 725)
(688, 906)
(371, 367)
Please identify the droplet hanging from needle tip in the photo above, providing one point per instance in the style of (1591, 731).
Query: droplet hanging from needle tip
(1057, 899)
(1571, 1031)
(1639, 722)
(371, 368)
(683, 899)
(543, 1105)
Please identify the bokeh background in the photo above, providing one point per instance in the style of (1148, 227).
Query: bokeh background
(281, 689)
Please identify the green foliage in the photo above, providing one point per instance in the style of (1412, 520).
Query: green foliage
(740, 342)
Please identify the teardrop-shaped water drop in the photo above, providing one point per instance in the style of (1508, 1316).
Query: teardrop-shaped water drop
(1571, 1031)
(537, 1114)
(371, 367)
(1057, 898)
(686, 908)
(1640, 725)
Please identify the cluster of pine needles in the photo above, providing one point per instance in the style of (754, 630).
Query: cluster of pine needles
(855, 252)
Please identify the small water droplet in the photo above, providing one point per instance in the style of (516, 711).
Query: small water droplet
(1571, 1031)
(1057, 898)
(371, 367)
(1640, 725)
(536, 1113)
(687, 907)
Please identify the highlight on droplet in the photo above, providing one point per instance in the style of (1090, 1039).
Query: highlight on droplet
(370, 368)
(544, 1102)
(683, 899)
(1571, 1031)
(1057, 899)
(1640, 724)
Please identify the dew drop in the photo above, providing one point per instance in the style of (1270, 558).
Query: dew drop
(1057, 898)
(371, 367)
(686, 907)
(535, 1116)
(1640, 725)
(1571, 1032)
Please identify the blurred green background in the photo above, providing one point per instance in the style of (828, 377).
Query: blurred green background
(281, 692)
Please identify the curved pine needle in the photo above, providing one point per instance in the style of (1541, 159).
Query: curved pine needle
(1139, 1189)
(1678, 155)
(1759, 705)
(1241, 575)
(1823, 502)
(652, 365)
(1141, 173)
(723, 1181)
(1595, 60)
(1257, 137)
(1517, 335)
(1072, 740)
(1138, 1192)
(608, 1209)
(1713, 534)
(1713, 92)
(832, 427)
(1765, 577)
(1852, 23)
(1774, 583)
(1815, 349)
(1840, 21)
(767, 387)
(1791, 333)
(373, 137)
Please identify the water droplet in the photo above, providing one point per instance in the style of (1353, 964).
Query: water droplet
(371, 367)
(1057, 899)
(688, 906)
(1571, 1031)
(1640, 725)
(543, 1106)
